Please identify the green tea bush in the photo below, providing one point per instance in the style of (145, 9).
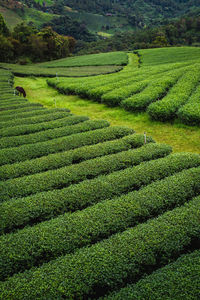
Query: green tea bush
(190, 112)
(110, 263)
(167, 108)
(58, 160)
(151, 93)
(14, 113)
(63, 177)
(25, 105)
(178, 280)
(73, 141)
(34, 117)
(74, 125)
(32, 128)
(68, 232)
(16, 213)
(117, 95)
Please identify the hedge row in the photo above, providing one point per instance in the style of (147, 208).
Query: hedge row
(28, 106)
(20, 212)
(85, 88)
(9, 103)
(190, 112)
(58, 160)
(73, 141)
(117, 95)
(96, 91)
(11, 114)
(10, 100)
(63, 177)
(32, 128)
(75, 124)
(109, 264)
(167, 108)
(155, 90)
(35, 118)
(96, 87)
(68, 232)
(25, 105)
(178, 280)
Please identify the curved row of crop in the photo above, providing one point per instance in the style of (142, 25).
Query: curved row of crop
(63, 177)
(102, 267)
(66, 233)
(65, 158)
(17, 213)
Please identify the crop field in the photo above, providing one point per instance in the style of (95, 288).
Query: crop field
(93, 211)
(101, 59)
(163, 82)
(87, 65)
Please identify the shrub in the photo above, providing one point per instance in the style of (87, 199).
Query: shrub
(58, 160)
(110, 263)
(36, 208)
(39, 149)
(68, 232)
(32, 117)
(72, 125)
(63, 177)
(178, 280)
(167, 108)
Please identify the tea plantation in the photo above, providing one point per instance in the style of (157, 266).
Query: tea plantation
(164, 82)
(93, 211)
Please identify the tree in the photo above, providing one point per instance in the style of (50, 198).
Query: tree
(6, 49)
(3, 28)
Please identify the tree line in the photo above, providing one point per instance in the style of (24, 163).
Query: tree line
(182, 32)
(28, 44)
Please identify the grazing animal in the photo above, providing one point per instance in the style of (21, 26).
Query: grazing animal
(21, 90)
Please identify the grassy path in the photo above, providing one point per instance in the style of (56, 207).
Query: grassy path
(179, 136)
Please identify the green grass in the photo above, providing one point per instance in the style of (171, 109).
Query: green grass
(101, 59)
(179, 136)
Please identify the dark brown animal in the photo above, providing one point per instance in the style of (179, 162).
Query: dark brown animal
(21, 91)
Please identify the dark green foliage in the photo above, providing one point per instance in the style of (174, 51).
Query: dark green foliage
(110, 263)
(39, 149)
(68, 232)
(18, 212)
(71, 126)
(58, 160)
(63, 177)
(65, 25)
(25, 105)
(178, 280)
(68, 119)
(31, 116)
(166, 109)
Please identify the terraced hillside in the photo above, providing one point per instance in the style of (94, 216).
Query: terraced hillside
(88, 209)
(166, 85)
(86, 65)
